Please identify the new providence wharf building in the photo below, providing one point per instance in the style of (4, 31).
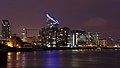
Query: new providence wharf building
(53, 36)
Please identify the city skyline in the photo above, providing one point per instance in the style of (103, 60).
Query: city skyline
(94, 16)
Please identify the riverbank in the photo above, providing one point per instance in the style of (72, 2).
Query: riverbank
(72, 48)
(9, 49)
(54, 48)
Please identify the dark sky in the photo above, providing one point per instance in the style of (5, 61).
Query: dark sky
(90, 15)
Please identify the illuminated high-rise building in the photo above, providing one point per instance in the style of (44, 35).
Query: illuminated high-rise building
(49, 37)
(24, 35)
(52, 36)
(93, 38)
(63, 37)
(6, 30)
(78, 37)
(83, 38)
(49, 33)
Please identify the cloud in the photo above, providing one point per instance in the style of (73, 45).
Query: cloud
(95, 22)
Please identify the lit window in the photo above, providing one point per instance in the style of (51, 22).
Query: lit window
(61, 34)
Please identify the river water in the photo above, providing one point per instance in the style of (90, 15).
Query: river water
(65, 59)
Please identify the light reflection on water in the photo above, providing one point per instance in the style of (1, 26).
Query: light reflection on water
(65, 59)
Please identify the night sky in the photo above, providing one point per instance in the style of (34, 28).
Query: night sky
(90, 15)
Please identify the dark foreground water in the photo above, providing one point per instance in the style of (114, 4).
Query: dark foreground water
(65, 59)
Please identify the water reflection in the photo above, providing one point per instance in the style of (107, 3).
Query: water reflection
(14, 59)
(52, 59)
(64, 59)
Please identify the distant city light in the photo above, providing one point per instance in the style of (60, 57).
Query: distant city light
(23, 28)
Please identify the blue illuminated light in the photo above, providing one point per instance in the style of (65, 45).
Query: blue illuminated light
(55, 21)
